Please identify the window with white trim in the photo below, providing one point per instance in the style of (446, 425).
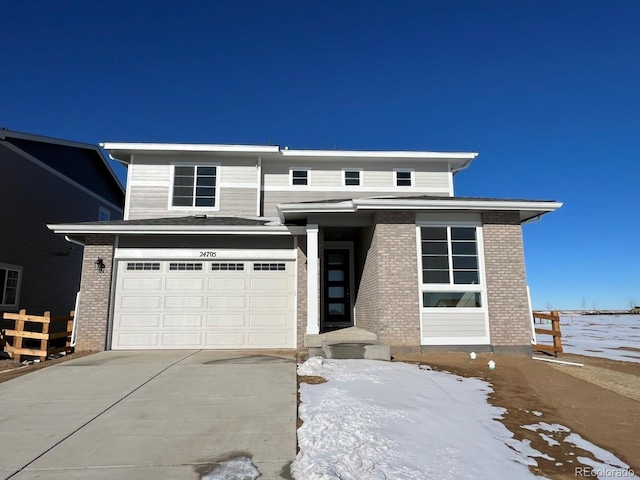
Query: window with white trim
(299, 176)
(404, 177)
(450, 268)
(10, 278)
(351, 177)
(195, 186)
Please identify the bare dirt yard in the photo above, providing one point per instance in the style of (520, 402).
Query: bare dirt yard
(600, 402)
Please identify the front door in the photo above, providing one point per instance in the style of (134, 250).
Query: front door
(337, 294)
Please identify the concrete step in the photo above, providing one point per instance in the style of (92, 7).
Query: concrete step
(357, 350)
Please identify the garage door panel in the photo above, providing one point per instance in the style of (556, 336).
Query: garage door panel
(129, 284)
(241, 304)
(226, 320)
(227, 284)
(141, 320)
(268, 302)
(268, 320)
(185, 283)
(183, 302)
(182, 321)
(140, 302)
(181, 339)
(269, 284)
(221, 302)
(138, 340)
(237, 340)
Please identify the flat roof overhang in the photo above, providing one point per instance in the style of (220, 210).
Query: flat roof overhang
(79, 231)
(123, 152)
(528, 209)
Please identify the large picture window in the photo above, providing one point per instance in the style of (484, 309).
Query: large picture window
(9, 285)
(449, 255)
(450, 267)
(194, 186)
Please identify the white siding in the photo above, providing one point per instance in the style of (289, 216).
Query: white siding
(450, 327)
(150, 184)
(432, 177)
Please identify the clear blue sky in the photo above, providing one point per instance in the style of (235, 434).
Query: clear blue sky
(548, 92)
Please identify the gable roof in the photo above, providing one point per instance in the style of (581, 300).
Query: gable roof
(81, 162)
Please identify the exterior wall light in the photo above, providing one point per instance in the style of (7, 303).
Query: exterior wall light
(99, 265)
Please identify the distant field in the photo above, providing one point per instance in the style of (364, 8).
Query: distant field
(609, 336)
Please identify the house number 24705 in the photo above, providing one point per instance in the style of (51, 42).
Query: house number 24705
(207, 254)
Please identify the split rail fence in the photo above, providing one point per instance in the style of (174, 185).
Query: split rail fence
(30, 329)
(555, 348)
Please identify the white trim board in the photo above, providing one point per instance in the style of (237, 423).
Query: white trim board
(194, 254)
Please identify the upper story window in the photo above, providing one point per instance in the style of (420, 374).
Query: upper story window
(195, 186)
(10, 277)
(404, 178)
(352, 177)
(299, 176)
(104, 215)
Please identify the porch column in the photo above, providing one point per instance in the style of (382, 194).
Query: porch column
(313, 312)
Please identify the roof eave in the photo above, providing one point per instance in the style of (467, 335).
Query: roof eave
(75, 229)
(528, 209)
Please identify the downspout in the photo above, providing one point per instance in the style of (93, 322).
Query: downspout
(74, 329)
(259, 187)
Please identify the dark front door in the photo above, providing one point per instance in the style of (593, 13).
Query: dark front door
(337, 295)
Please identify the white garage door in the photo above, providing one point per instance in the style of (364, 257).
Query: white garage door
(206, 304)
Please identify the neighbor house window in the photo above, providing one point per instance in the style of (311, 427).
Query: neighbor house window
(404, 178)
(352, 177)
(299, 176)
(450, 270)
(104, 215)
(194, 185)
(9, 285)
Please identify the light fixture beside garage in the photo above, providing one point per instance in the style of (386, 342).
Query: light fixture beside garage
(99, 265)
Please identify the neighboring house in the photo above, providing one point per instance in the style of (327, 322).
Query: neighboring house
(45, 180)
(231, 246)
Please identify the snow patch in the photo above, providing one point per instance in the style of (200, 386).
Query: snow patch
(383, 420)
(239, 468)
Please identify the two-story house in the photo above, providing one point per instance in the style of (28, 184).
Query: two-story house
(45, 180)
(233, 246)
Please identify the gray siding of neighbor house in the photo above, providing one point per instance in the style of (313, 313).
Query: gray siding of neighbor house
(387, 301)
(150, 186)
(31, 197)
(509, 315)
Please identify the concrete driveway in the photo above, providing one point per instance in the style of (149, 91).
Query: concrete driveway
(151, 415)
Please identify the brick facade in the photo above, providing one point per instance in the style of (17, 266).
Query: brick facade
(509, 320)
(95, 294)
(367, 289)
(388, 295)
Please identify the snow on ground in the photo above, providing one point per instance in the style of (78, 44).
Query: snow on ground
(239, 468)
(607, 465)
(616, 337)
(382, 420)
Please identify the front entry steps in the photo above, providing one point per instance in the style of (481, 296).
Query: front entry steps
(352, 342)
